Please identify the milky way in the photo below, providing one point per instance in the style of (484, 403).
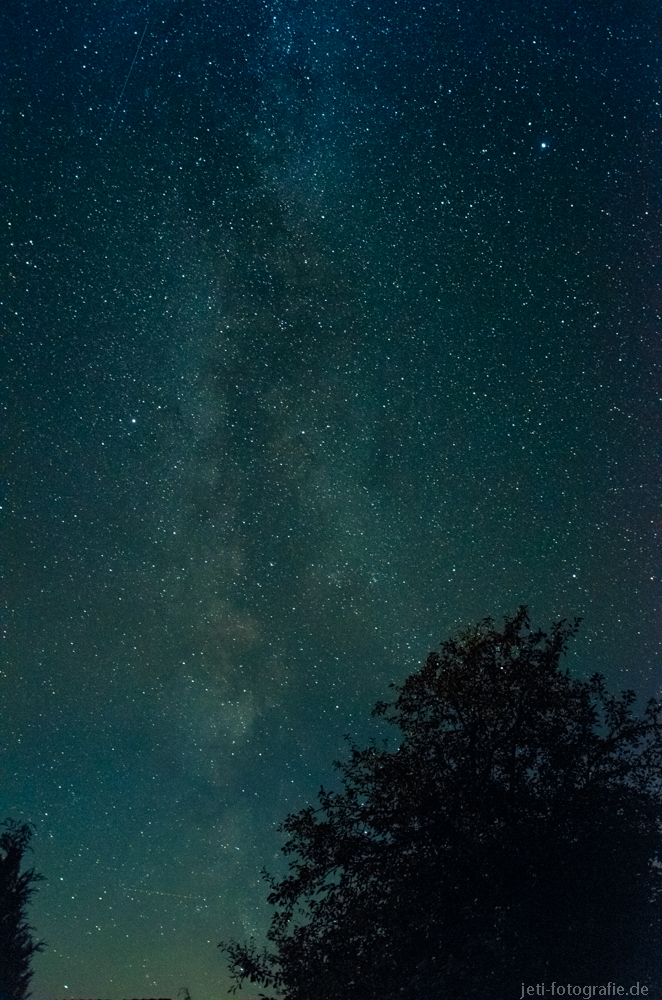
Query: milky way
(330, 328)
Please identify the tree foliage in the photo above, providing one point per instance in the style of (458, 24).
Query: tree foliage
(511, 837)
(16, 943)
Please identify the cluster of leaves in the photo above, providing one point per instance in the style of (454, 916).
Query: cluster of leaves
(16, 943)
(511, 837)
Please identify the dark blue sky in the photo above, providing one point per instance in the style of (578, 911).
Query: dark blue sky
(330, 327)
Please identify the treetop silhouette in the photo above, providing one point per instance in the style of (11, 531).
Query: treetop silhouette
(16, 943)
(511, 836)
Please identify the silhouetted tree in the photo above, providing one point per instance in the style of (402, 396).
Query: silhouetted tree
(511, 837)
(16, 944)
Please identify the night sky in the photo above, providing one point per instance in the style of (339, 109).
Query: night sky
(330, 328)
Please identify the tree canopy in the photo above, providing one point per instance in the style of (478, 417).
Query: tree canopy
(16, 943)
(512, 836)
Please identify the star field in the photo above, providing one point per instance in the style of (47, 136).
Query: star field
(330, 327)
